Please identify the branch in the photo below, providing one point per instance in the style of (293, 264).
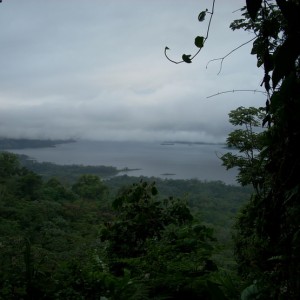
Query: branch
(173, 61)
(189, 58)
(233, 91)
(222, 58)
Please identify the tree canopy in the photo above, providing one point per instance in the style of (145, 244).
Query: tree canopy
(272, 217)
(267, 241)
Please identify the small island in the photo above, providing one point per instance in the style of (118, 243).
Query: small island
(168, 143)
(168, 174)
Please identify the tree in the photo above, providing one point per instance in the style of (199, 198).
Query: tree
(54, 190)
(29, 185)
(271, 220)
(9, 165)
(160, 244)
(249, 141)
(89, 187)
(269, 224)
(140, 215)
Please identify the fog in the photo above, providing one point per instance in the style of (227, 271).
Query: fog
(96, 70)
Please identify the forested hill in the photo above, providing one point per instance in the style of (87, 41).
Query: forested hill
(65, 173)
(122, 238)
(8, 143)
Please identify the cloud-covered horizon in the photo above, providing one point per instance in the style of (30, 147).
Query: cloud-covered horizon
(96, 70)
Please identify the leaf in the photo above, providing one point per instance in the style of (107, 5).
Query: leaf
(266, 120)
(215, 291)
(250, 292)
(268, 62)
(253, 7)
(202, 15)
(199, 41)
(154, 191)
(117, 203)
(285, 60)
(186, 58)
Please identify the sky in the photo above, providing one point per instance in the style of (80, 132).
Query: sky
(96, 69)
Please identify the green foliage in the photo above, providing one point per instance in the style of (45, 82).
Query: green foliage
(152, 245)
(249, 141)
(43, 226)
(186, 58)
(160, 243)
(267, 228)
(54, 190)
(50, 246)
(9, 165)
(66, 173)
(89, 187)
(29, 184)
(202, 15)
(267, 22)
(253, 7)
(199, 41)
(225, 285)
(254, 291)
(215, 203)
(140, 215)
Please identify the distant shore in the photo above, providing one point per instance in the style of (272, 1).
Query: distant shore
(9, 144)
(190, 143)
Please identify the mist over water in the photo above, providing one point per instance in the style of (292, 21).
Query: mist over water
(176, 161)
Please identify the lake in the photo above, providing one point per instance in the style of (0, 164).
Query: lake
(164, 160)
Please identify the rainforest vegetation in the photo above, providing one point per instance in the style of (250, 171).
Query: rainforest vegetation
(122, 238)
(267, 238)
(125, 238)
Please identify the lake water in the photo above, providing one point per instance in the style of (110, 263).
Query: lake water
(178, 161)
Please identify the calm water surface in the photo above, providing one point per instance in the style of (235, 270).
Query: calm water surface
(178, 161)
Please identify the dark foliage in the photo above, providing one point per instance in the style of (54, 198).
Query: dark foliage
(267, 241)
(151, 246)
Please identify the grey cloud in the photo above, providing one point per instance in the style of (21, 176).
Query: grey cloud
(96, 70)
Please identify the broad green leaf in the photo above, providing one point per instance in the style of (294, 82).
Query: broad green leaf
(253, 7)
(215, 291)
(199, 41)
(250, 292)
(266, 120)
(202, 15)
(258, 47)
(284, 60)
(186, 58)
(268, 62)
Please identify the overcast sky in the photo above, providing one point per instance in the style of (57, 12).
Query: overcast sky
(95, 69)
